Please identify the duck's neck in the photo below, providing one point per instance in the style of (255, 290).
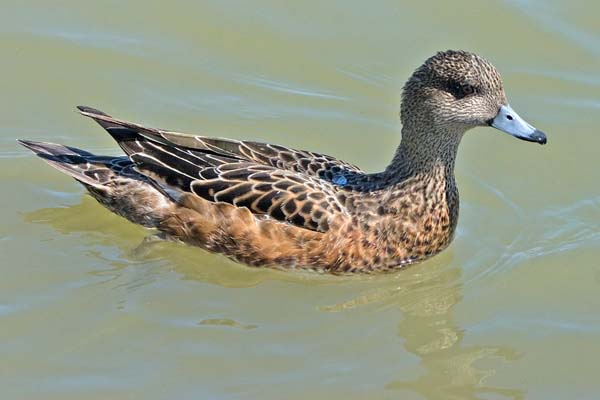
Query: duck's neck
(421, 190)
(420, 157)
(424, 155)
(424, 163)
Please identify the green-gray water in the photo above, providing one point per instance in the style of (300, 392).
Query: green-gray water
(510, 310)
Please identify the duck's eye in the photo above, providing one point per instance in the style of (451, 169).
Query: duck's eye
(459, 90)
(467, 90)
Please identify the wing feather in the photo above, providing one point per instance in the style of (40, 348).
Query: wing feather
(307, 162)
(284, 184)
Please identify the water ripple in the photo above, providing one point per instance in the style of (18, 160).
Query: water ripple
(541, 12)
(552, 231)
(105, 40)
(366, 75)
(288, 88)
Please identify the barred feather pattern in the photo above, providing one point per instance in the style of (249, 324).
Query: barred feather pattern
(288, 185)
(284, 195)
(269, 205)
(261, 204)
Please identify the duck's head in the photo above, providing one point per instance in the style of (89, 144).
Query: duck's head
(454, 91)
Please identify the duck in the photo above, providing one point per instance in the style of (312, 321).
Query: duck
(266, 205)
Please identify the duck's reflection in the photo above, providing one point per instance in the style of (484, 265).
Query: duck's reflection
(120, 243)
(426, 297)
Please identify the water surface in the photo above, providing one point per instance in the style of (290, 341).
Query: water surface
(509, 311)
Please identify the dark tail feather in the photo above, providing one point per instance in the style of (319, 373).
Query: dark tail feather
(125, 133)
(50, 150)
(119, 131)
(72, 161)
(110, 180)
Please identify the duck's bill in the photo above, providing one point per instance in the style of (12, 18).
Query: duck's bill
(510, 122)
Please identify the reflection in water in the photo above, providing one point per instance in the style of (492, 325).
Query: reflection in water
(431, 333)
(427, 297)
(226, 322)
(120, 243)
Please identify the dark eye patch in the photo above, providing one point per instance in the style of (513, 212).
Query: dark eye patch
(460, 90)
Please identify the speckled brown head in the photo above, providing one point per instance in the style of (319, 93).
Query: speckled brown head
(454, 91)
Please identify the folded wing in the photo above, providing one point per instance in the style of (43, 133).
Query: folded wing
(287, 185)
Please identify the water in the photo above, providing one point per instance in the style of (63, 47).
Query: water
(509, 311)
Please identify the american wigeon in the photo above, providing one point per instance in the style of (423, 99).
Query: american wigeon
(269, 205)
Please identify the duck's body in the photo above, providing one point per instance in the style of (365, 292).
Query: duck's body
(267, 205)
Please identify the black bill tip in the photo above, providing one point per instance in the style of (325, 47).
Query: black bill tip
(536, 136)
(539, 137)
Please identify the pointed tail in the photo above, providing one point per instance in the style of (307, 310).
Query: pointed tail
(84, 166)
